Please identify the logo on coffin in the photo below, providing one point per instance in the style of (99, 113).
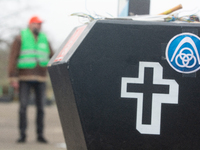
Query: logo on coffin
(182, 53)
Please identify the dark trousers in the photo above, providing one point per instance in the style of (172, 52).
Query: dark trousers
(24, 95)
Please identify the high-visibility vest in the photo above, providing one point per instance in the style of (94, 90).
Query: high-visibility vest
(32, 51)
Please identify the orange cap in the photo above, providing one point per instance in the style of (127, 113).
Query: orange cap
(35, 19)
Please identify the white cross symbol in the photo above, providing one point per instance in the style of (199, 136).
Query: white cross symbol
(157, 99)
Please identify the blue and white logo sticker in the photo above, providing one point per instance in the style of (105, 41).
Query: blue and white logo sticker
(182, 53)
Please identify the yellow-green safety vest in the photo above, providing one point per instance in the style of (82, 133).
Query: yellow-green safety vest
(32, 51)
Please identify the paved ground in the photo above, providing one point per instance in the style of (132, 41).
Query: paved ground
(9, 130)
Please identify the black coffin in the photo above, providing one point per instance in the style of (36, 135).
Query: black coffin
(129, 85)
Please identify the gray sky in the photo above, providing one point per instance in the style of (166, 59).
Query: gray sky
(56, 13)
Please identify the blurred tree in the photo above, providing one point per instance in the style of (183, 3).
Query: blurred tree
(12, 19)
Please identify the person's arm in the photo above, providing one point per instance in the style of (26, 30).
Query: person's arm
(12, 65)
(51, 51)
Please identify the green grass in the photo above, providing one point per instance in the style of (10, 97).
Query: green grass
(4, 68)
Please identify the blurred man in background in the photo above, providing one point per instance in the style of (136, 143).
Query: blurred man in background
(30, 53)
